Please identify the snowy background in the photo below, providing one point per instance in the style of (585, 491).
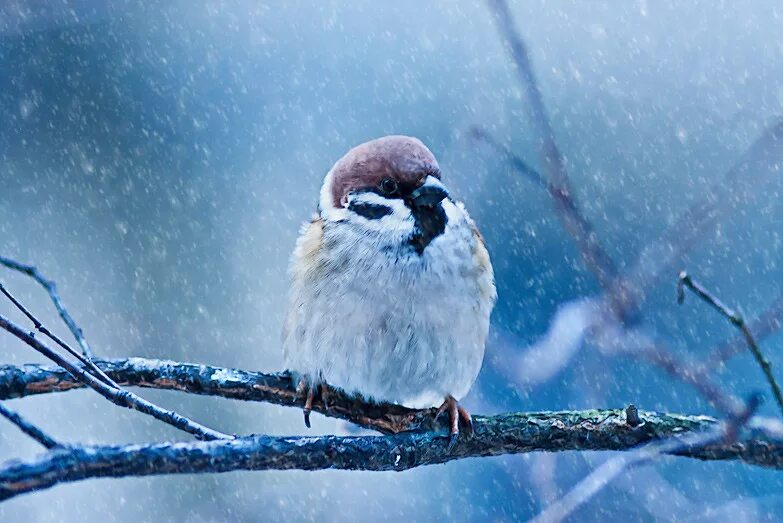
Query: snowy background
(158, 157)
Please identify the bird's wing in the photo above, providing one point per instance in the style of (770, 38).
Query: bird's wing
(486, 276)
(304, 266)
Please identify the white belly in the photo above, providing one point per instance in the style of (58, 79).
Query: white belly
(390, 324)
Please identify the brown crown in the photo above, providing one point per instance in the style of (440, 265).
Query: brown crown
(402, 158)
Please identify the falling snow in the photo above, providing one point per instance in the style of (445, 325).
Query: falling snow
(158, 159)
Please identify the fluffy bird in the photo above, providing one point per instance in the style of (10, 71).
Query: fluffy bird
(391, 285)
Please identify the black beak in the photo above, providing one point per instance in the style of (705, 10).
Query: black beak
(429, 194)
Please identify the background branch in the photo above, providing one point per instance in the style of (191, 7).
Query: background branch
(521, 166)
(761, 163)
(84, 360)
(612, 468)
(554, 169)
(685, 281)
(762, 326)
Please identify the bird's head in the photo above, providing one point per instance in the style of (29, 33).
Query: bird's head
(388, 185)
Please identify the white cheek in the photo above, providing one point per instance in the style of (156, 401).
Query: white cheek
(400, 221)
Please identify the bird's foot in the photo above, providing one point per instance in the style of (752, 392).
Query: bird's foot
(310, 394)
(456, 413)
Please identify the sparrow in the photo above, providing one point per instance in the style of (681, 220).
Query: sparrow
(391, 285)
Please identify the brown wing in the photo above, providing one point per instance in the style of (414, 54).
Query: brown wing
(486, 276)
(304, 266)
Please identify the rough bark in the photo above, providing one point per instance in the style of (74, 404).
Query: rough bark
(276, 388)
(413, 438)
(495, 435)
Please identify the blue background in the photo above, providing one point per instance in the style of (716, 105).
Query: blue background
(157, 158)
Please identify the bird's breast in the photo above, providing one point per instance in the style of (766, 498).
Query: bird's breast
(380, 319)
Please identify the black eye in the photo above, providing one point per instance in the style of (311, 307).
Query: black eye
(388, 186)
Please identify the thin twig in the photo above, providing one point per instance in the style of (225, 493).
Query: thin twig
(612, 468)
(768, 322)
(761, 163)
(51, 289)
(28, 428)
(558, 184)
(121, 397)
(736, 319)
(520, 165)
(612, 337)
(85, 360)
(691, 375)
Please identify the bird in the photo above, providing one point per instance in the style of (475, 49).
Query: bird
(391, 285)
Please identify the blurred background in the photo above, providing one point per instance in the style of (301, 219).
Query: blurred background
(157, 159)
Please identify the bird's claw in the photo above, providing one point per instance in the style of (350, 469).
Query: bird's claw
(466, 418)
(456, 413)
(452, 441)
(309, 391)
(308, 406)
(441, 410)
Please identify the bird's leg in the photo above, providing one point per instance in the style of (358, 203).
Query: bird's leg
(303, 389)
(308, 406)
(466, 418)
(442, 409)
(309, 392)
(456, 412)
(454, 422)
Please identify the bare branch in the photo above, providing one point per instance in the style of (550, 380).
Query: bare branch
(690, 374)
(558, 184)
(51, 289)
(85, 360)
(278, 389)
(274, 388)
(612, 468)
(520, 165)
(28, 428)
(765, 324)
(764, 158)
(736, 319)
(590, 321)
(740, 185)
(119, 397)
(504, 434)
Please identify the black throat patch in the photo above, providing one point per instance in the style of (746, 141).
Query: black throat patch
(430, 223)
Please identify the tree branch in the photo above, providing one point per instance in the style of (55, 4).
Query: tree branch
(278, 389)
(83, 359)
(120, 397)
(761, 163)
(496, 435)
(521, 166)
(735, 319)
(51, 289)
(766, 323)
(554, 169)
(612, 468)
(28, 428)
